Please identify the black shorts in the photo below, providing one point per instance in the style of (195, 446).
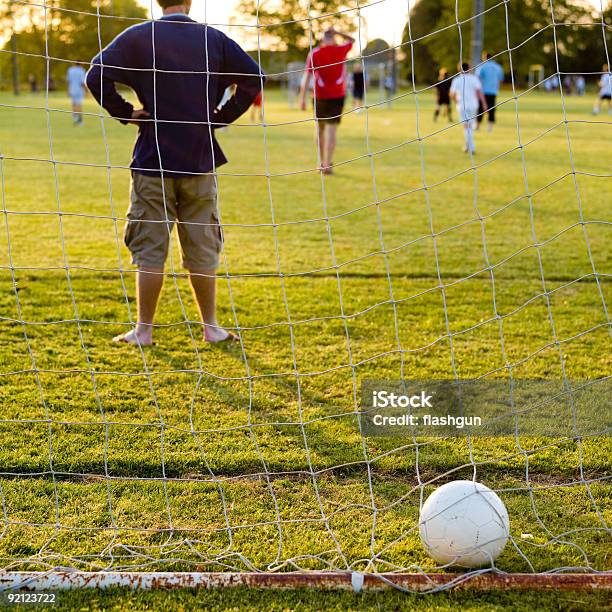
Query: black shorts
(329, 110)
(491, 102)
(605, 97)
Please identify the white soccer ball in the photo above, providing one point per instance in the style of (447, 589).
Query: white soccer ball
(464, 523)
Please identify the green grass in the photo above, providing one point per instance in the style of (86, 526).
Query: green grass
(302, 600)
(76, 408)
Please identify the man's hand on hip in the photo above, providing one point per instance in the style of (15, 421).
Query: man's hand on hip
(138, 116)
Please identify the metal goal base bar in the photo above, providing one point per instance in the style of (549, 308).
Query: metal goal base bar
(60, 580)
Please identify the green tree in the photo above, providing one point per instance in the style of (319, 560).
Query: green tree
(440, 35)
(378, 50)
(67, 31)
(598, 46)
(289, 25)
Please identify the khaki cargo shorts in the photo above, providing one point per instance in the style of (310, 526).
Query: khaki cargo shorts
(189, 202)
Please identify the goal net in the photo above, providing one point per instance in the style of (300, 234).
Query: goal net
(411, 266)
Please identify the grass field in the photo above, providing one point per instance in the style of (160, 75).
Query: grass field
(191, 457)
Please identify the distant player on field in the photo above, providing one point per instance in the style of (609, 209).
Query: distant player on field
(466, 91)
(75, 79)
(327, 64)
(605, 90)
(491, 75)
(179, 69)
(257, 109)
(443, 95)
(358, 86)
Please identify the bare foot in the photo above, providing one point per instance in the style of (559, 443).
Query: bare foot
(215, 335)
(136, 337)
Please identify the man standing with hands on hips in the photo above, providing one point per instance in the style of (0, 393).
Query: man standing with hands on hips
(179, 70)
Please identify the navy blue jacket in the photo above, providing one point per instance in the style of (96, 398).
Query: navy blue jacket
(179, 70)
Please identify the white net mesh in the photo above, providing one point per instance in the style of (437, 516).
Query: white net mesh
(413, 261)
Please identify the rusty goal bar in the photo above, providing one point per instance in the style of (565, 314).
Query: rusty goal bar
(57, 580)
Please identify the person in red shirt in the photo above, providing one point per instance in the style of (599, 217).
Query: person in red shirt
(327, 64)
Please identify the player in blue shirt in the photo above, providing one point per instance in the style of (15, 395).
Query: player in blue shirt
(179, 70)
(491, 75)
(75, 79)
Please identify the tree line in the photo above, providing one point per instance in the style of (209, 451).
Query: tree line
(561, 35)
(47, 39)
(569, 36)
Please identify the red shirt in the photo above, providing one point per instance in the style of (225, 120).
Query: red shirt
(328, 64)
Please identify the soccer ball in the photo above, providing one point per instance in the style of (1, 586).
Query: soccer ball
(464, 523)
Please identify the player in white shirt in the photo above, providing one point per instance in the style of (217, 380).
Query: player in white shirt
(605, 90)
(75, 78)
(466, 91)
